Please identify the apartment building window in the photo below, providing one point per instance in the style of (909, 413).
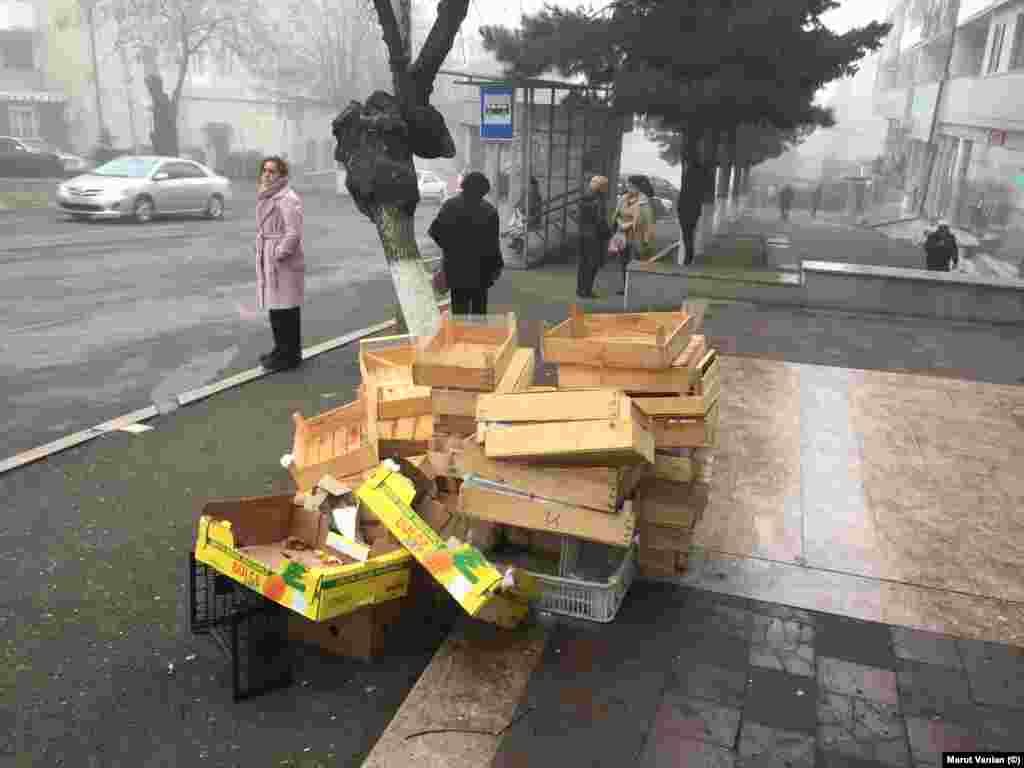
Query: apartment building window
(24, 122)
(1017, 56)
(997, 48)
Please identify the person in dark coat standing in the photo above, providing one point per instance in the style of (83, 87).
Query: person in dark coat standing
(595, 232)
(467, 230)
(689, 207)
(940, 248)
(816, 196)
(785, 201)
(280, 263)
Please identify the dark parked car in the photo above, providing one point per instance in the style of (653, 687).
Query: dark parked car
(17, 158)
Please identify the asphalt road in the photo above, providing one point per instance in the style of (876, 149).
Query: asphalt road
(99, 319)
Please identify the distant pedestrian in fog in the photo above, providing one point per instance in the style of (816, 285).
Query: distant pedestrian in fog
(816, 201)
(280, 263)
(785, 201)
(940, 248)
(467, 231)
(595, 232)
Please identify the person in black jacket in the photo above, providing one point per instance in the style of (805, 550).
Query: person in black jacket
(940, 248)
(595, 232)
(689, 206)
(467, 229)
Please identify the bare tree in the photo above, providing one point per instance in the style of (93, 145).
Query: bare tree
(376, 143)
(173, 33)
(333, 51)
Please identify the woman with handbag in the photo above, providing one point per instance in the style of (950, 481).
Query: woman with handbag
(634, 221)
(280, 263)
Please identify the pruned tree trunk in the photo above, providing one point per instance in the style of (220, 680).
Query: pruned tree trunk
(376, 144)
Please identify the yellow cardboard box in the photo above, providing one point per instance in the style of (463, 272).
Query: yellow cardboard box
(461, 569)
(243, 539)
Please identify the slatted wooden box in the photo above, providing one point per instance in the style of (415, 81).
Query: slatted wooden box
(647, 340)
(454, 410)
(468, 352)
(599, 427)
(599, 488)
(386, 367)
(678, 379)
(334, 443)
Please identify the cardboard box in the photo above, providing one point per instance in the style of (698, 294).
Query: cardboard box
(466, 353)
(604, 441)
(682, 378)
(600, 488)
(461, 569)
(333, 443)
(486, 501)
(245, 540)
(639, 340)
(362, 634)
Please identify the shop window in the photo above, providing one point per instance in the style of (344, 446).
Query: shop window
(1017, 56)
(24, 122)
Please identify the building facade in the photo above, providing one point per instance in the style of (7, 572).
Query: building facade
(32, 103)
(949, 85)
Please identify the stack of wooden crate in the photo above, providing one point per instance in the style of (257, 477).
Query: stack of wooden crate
(665, 366)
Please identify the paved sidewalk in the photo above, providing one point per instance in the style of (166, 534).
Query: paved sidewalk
(693, 678)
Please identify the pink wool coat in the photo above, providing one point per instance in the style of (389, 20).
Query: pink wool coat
(280, 261)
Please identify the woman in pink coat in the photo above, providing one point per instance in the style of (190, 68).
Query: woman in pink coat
(280, 263)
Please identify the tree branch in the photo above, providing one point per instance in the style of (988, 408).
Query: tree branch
(450, 15)
(392, 34)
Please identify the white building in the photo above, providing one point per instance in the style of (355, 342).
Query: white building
(951, 86)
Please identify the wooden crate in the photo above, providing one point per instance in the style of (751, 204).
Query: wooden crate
(599, 440)
(599, 488)
(333, 443)
(386, 367)
(466, 355)
(682, 378)
(522, 511)
(405, 437)
(647, 340)
(658, 502)
(701, 432)
(387, 360)
(703, 395)
(462, 403)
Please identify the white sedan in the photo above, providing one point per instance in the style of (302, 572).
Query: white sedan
(144, 186)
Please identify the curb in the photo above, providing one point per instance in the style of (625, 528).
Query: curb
(185, 398)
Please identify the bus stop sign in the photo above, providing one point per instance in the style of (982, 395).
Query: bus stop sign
(496, 112)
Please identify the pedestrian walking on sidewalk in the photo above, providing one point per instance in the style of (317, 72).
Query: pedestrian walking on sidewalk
(467, 231)
(785, 201)
(595, 232)
(634, 217)
(280, 263)
(689, 207)
(940, 248)
(816, 201)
